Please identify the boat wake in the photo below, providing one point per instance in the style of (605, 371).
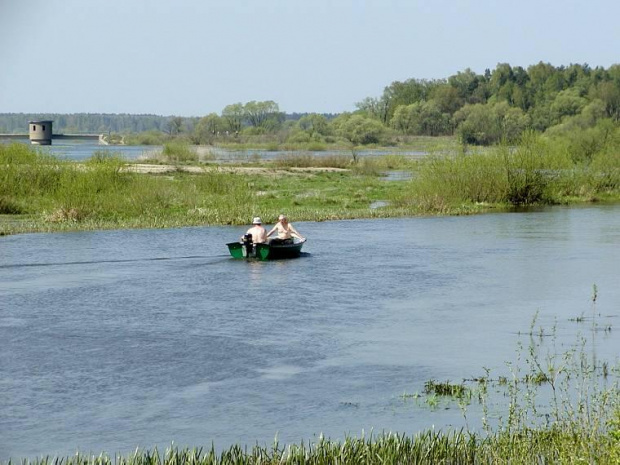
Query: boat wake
(130, 260)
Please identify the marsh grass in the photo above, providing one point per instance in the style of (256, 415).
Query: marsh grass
(54, 194)
(430, 447)
(445, 388)
(50, 194)
(536, 171)
(57, 194)
(178, 152)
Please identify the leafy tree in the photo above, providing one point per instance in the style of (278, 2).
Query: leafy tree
(404, 93)
(359, 129)
(175, 125)
(520, 97)
(567, 103)
(471, 87)
(448, 98)
(513, 122)
(208, 128)
(541, 116)
(314, 124)
(476, 124)
(490, 123)
(401, 121)
(378, 108)
(501, 77)
(233, 115)
(583, 144)
(539, 74)
(422, 118)
(609, 93)
(429, 120)
(263, 114)
(589, 117)
(578, 77)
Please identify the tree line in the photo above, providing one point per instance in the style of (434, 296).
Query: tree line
(85, 123)
(478, 108)
(500, 104)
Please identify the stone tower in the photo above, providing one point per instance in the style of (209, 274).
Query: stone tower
(40, 132)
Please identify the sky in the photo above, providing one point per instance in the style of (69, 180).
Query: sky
(195, 57)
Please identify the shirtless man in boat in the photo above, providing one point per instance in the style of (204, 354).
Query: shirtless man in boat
(258, 232)
(285, 231)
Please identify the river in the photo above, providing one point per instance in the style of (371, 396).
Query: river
(77, 150)
(113, 340)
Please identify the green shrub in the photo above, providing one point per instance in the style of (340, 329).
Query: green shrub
(521, 175)
(176, 152)
(16, 153)
(10, 206)
(605, 170)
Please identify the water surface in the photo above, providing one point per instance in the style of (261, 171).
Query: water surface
(78, 150)
(114, 340)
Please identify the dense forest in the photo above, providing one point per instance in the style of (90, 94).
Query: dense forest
(87, 123)
(478, 108)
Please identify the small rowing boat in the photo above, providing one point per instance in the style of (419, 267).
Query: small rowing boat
(273, 250)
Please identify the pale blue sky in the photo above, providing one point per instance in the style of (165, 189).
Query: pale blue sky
(194, 57)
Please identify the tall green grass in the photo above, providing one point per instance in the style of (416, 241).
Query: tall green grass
(60, 191)
(179, 152)
(536, 171)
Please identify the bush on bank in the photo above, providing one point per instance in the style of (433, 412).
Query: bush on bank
(538, 170)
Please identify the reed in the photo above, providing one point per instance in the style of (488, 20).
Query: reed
(430, 447)
(58, 194)
(178, 152)
(536, 171)
(445, 388)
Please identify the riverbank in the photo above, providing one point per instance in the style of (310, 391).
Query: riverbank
(39, 193)
(430, 447)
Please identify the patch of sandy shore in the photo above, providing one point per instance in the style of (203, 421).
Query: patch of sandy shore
(162, 169)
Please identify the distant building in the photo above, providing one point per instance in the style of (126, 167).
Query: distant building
(40, 132)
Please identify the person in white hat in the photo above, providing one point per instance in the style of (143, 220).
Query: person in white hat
(258, 232)
(285, 231)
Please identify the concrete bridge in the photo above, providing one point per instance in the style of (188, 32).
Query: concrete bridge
(98, 137)
(40, 133)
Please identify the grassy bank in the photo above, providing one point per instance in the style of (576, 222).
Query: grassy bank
(41, 193)
(537, 171)
(430, 447)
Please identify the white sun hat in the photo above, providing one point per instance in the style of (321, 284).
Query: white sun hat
(257, 220)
